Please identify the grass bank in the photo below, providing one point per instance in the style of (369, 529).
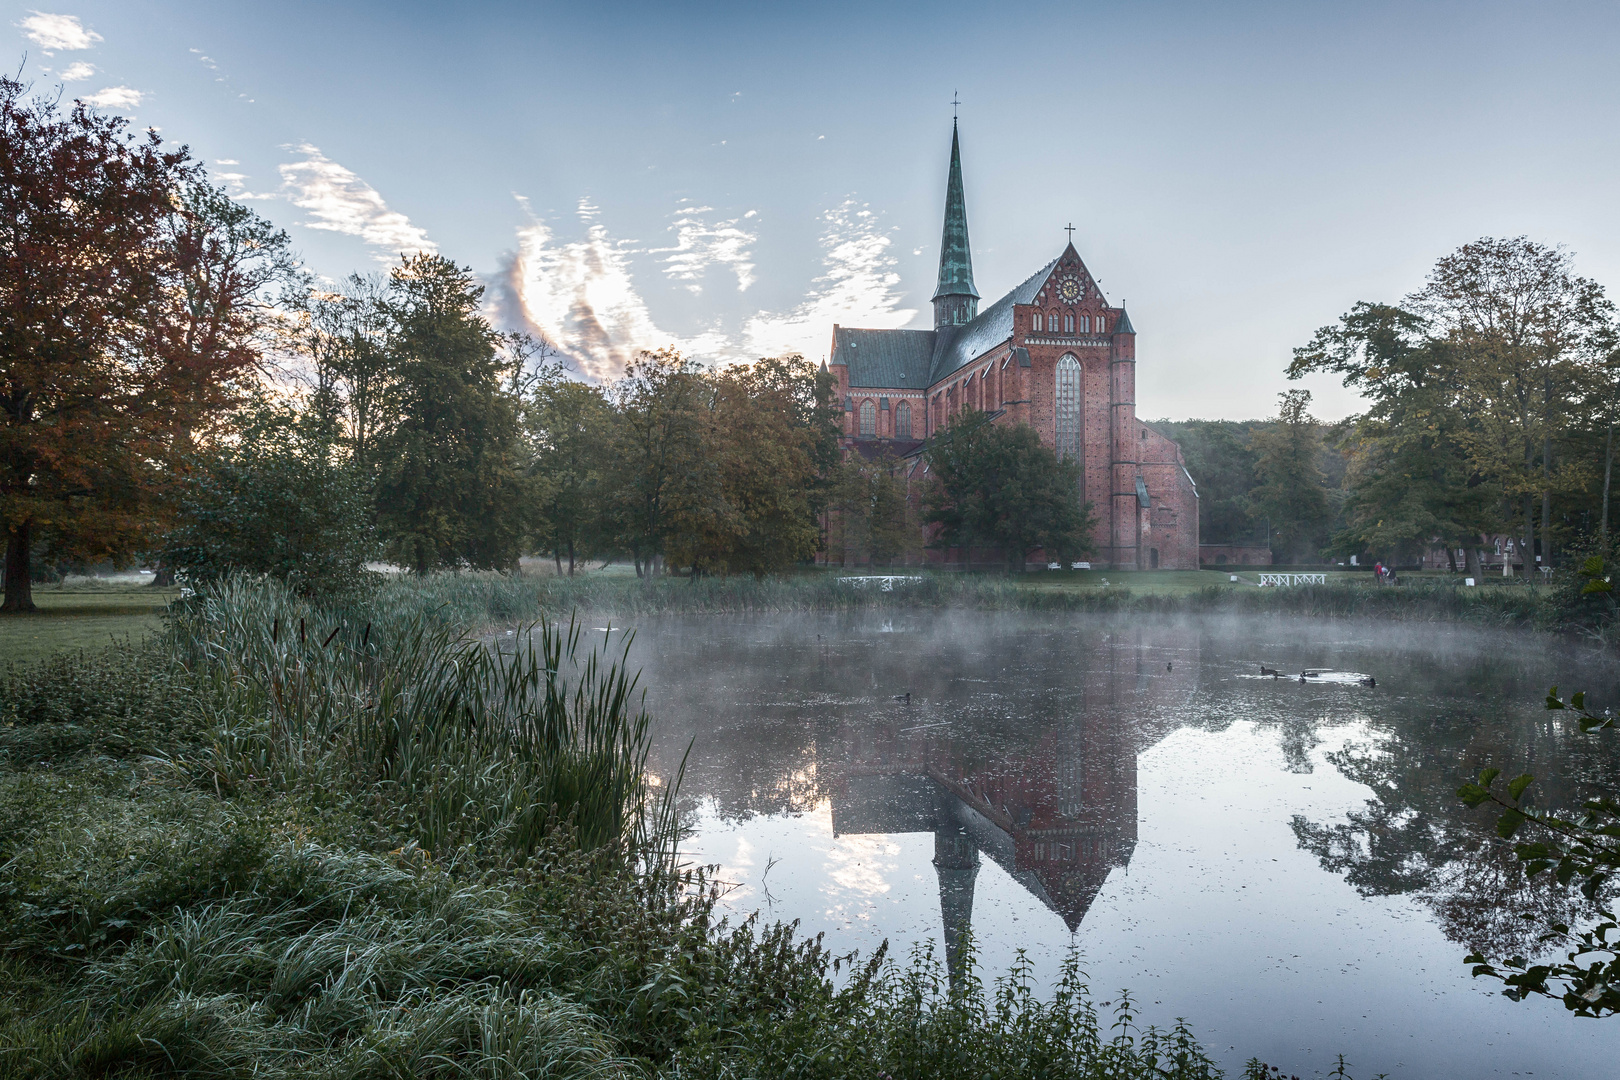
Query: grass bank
(288, 842)
(490, 601)
(82, 615)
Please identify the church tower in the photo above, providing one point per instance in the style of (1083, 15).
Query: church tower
(956, 301)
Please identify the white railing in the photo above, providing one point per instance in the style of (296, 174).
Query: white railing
(1293, 579)
(885, 583)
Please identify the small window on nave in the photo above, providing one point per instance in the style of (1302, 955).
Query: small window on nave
(1052, 322)
(868, 420)
(1068, 324)
(1085, 324)
(1035, 321)
(902, 421)
(1101, 325)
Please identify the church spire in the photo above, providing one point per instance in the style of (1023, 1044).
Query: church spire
(955, 300)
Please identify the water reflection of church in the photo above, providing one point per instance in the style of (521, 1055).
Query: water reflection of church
(1055, 807)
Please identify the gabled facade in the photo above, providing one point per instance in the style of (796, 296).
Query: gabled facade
(1052, 353)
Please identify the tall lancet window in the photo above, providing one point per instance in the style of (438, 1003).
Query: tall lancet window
(902, 421)
(1068, 407)
(868, 420)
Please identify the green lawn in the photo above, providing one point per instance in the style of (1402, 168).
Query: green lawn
(81, 615)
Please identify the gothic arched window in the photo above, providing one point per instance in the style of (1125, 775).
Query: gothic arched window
(1052, 323)
(902, 421)
(1068, 324)
(1035, 321)
(1085, 324)
(1068, 407)
(868, 419)
(1101, 325)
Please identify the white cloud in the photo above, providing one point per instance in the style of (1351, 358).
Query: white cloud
(582, 297)
(114, 97)
(699, 245)
(77, 72)
(54, 32)
(860, 288)
(339, 201)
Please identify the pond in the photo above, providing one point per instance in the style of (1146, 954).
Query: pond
(1283, 863)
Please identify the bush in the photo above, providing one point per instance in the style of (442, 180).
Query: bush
(275, 503)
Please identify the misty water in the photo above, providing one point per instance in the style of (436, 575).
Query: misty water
(1284, 864)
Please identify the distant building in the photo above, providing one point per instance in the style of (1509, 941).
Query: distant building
(1052, 353)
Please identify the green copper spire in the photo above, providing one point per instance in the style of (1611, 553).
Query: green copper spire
(956, 301)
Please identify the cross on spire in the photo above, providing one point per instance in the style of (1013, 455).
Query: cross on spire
(955, 101)
(1069, 228)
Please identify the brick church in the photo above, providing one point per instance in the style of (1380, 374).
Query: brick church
(1051, 353)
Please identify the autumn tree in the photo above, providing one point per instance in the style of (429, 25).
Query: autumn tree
(748, 507)
(132, 296)
(997, 485)
(451, 488)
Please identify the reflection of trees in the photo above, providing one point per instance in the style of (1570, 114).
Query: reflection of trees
(1415, 837)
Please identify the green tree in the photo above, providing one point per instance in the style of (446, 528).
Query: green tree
(570, 427)
(451, 488)
(658, 455)
(1409, 482)
(1528, 340)
(1292, 494)
(748, 506)
(347, 333)
(273, 499)
(997, 485)
(1221, 458)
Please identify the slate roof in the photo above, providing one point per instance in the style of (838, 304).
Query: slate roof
(957, 346)
(885, 358)
(1123, 324)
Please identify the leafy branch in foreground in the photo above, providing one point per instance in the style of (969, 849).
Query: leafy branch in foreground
(1586, 848)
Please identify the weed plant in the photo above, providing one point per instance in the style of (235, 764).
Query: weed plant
(294, 842)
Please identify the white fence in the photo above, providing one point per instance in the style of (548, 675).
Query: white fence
(1293, 579)
(884, 583)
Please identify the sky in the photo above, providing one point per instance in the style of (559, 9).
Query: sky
(733, 179)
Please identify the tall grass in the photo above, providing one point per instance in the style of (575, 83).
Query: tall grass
(470, 745)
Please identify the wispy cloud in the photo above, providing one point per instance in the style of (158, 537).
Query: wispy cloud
(114, 97)
(77, 72)
(55, 33)
(860, 288)
(339, 201)
(582, 297)
(700, 244)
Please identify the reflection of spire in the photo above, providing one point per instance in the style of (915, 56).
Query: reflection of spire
(957, 861)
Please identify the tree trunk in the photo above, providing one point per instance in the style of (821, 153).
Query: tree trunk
(570, 558)
(1451, 556)
(1608, 471)
(19, 585)
(163, 577)
(1471, 559)
(1546, 503)
(1529, 538)
(556, 557)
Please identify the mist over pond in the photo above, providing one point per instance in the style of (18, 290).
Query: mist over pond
(1283, 863)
